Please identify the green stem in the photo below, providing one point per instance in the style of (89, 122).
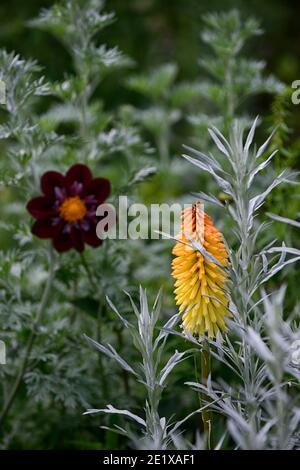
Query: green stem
(100, 315)
(229, 105)
(205, 364)
(89, 272)
(163, 149)
(83, 110)
(197, 377)
(31, 340)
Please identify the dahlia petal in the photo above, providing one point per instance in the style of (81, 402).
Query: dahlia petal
(67, 229)
(90, 237)
(76, 188)
(62, 242)
(99, 188)
(40, 207)
(44, 228)
(51, 180)
(91, 215)
(76, 238)
(60, 193)
(85, 225)
(79, 174)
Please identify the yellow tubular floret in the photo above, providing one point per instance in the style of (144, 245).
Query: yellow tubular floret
(197, 279)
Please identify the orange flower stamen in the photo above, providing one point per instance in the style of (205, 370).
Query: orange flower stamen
(73, 209)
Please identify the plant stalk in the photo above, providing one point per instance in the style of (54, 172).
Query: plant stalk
(205, 371)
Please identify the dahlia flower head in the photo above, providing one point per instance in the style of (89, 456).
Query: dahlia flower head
(200, 287)
(66, 211)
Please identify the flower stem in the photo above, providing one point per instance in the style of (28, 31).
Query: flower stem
(205, 367)
(100, 315)
(89, 272)
(23, 368)
(163, 149)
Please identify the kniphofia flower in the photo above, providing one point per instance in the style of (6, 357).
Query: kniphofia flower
(200, 284)
(66, 212)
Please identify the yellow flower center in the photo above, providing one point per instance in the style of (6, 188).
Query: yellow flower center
(73, 209)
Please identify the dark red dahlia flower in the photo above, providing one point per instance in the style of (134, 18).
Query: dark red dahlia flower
(67, 210)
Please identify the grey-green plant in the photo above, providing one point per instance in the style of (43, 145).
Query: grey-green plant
(232, 78)
(165, 103)
(262, 406)
(47, 301)
(156, 432)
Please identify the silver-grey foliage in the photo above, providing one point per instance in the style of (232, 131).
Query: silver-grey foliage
(262, 407)
(156, 431)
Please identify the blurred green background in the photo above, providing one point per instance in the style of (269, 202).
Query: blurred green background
(157, 31)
